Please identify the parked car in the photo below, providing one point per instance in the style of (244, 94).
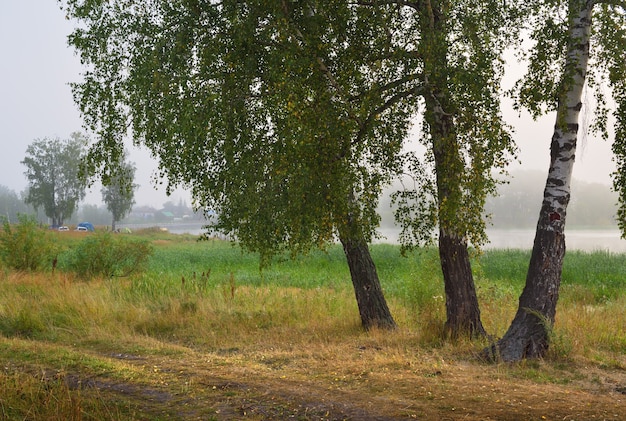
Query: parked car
(63, 228)
(85, 226)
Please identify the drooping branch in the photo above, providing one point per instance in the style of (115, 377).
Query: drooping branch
(395, 99)
(619, 3)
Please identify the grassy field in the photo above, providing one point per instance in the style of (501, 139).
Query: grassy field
(203, 334)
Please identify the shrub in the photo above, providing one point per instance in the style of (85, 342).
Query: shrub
(26, 245)
(105, 254)
(23, 324)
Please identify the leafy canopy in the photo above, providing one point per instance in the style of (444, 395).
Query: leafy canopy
(283, 120)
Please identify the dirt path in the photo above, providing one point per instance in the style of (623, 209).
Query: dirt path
(210, 386)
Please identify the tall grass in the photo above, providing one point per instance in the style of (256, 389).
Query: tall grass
(194, 291)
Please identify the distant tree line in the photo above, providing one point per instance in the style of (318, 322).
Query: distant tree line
(593, 205)
(12, 205)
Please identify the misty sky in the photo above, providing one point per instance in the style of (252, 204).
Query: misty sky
(36, 102)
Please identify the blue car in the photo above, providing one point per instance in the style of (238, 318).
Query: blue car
(85, 226)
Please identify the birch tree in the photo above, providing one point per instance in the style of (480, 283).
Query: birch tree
(248, 105)
(460, 45)
(564, 36)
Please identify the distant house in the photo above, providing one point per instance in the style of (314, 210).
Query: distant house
(166, 216)
(143, 213)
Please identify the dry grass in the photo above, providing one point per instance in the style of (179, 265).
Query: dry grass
(119, 349)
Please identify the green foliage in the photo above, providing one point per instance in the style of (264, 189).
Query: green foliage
(26, 245)
(288, 118)
(466, 138)
(105, 254)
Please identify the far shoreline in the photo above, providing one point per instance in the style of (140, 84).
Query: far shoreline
(583, 239)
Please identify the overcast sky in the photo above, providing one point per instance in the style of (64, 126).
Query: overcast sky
(36, 102)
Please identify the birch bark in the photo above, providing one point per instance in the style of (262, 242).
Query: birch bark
(529, 333)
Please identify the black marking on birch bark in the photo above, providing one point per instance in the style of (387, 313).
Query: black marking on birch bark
(554, 148)
(556, 182)
(563, 200)
(577, 107)
(572, 127)
(585, 20)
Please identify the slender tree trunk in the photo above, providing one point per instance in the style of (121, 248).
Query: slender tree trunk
(462, 310)
(113, 225)
(529, 333)
(370, 299)
(372, 305)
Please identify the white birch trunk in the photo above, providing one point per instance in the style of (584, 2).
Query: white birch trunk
(528, 335)
(563, 147)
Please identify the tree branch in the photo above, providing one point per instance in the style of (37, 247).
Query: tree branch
(383, 107)
(620, 3)
(389, 86)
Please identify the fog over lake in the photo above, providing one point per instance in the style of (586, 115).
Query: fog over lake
(575, 239)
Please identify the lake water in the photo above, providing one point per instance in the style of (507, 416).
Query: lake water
(585, 240)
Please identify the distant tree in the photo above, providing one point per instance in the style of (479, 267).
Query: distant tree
(11, 205)
(559, 68)
(52, 170)
(177, 209)
(97, 215)
(592, 205)
(118, 191)
(514, 205)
